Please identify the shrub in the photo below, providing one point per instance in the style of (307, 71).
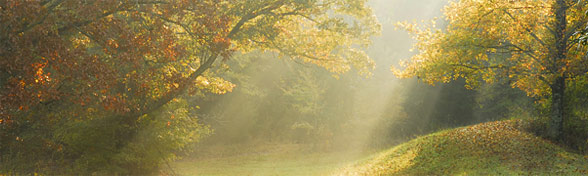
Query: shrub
(100, 145)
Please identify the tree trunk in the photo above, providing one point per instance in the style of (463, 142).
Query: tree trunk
(555, 131)
(555, 125)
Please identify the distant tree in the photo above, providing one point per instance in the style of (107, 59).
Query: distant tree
(296, 103)
(71, 68)
(500, 101)
(424, 108)
(525, 42)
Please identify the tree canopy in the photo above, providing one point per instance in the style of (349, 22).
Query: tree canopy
(75, 64)
(526, 43)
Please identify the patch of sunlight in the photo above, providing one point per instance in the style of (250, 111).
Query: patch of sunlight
(388, 162)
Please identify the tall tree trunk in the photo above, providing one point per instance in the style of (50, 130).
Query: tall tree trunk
(555, 130)
(557, 108)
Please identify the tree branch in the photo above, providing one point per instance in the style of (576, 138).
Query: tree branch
(528, 30)
(185, 84)
(50, 9)
(65, 29)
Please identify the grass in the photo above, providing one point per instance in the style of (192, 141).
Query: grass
(267, 159)
(494, 148)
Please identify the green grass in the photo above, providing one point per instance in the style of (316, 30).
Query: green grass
(494, 148)
(267, 159)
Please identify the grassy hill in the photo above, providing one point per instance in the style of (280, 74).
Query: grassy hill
(494, 148)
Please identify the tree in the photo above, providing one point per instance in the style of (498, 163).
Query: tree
(525, 42)
(120, 62)
(582, 34)
(296, 103)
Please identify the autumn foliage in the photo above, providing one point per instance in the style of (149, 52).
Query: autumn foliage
(532, 45)
(83, 81)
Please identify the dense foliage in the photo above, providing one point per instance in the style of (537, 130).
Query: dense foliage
(525, 43)
(100, 87)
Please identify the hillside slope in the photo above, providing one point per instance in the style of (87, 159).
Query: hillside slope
(494, 148)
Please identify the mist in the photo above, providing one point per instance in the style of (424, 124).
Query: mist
(338, 108)
(279, 87)
(284, 108)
